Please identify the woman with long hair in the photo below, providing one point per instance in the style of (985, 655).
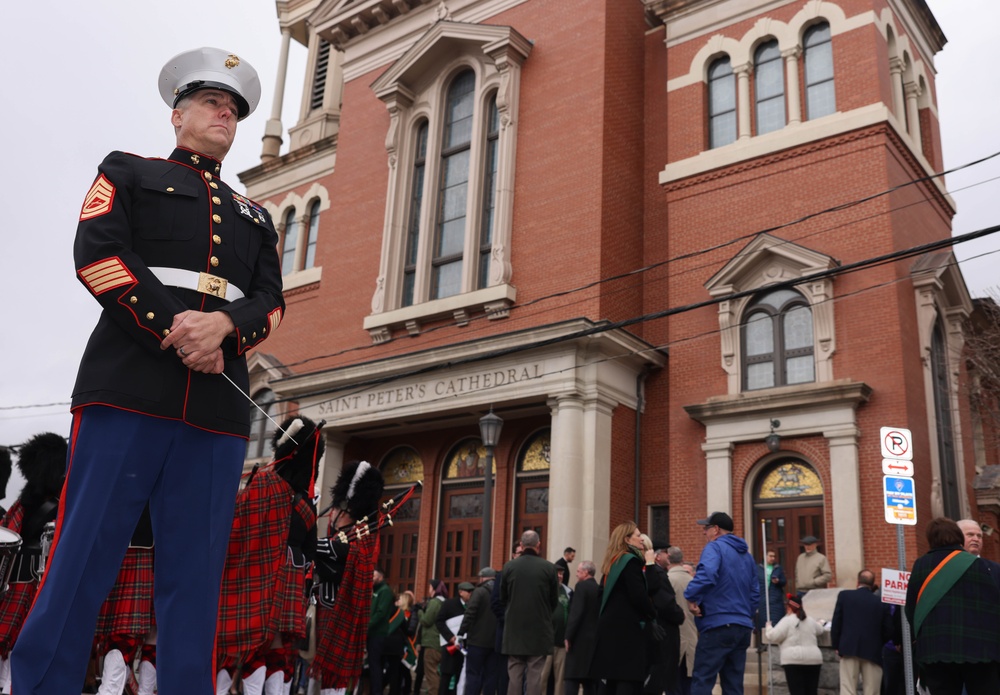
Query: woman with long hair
(797, 636)
(620, 655)
(399, 641)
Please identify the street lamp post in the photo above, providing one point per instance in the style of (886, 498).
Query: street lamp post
(489, 430)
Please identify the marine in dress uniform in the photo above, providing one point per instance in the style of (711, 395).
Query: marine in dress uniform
(188, 276)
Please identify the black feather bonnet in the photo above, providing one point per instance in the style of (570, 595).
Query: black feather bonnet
(298, 446)
(358, 489)
(42, 462)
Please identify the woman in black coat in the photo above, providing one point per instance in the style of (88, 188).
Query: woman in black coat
(620, 655)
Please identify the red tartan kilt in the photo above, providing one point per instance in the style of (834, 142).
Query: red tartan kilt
(14, 608)
(290, 601)
(128, 610)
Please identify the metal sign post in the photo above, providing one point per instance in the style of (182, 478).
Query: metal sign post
(900, 509)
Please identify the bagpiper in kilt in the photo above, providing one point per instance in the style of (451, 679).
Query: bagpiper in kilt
(270, 550)
(346, 564)
(42, 462)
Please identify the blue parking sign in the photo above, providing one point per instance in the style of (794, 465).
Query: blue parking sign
(900, 500)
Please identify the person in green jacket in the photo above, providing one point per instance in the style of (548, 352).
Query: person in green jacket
(430, 638)
(378, 628)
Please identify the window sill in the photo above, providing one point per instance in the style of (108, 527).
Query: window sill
(494, 301)
(300, 278)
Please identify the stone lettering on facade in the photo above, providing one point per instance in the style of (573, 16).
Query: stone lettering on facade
(424, 391)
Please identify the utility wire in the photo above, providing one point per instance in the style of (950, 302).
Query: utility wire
(605, 327)
(685, 256)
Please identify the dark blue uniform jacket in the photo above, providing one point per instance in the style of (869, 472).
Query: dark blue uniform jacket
(172, 213)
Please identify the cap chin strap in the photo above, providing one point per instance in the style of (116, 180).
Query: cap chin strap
(241, 104)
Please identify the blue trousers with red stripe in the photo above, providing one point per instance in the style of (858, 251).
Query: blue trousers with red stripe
(119, 460)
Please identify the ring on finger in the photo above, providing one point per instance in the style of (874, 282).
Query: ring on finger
(182, 350)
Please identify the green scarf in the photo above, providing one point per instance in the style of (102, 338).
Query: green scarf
(938, 582)
(397, 620)
(616, 570)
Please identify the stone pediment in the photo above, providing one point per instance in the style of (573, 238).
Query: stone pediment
(443, 40)
(765, 260)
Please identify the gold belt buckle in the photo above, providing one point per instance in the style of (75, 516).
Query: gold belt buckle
(213, 285)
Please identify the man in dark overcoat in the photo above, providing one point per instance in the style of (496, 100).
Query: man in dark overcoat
(480, 627)
(503, 680)
(581, 630)
(861, 625)
(529, 591)
(664, 655)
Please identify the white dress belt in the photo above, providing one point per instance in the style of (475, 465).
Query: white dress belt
(199, 282)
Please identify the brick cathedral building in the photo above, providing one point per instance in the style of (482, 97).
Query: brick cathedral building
(595, 219)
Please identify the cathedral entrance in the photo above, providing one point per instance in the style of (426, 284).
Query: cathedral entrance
(398, 543)
(788, 505)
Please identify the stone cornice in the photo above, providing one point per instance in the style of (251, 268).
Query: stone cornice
(779, 400)
(271, 166)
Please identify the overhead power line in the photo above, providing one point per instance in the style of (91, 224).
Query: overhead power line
(605, 327)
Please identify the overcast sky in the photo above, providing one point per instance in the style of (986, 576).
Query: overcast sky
(81, 81)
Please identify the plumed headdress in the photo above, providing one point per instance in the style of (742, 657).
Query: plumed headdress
(42, 462)
(298, 446)
(358, 489)
(5, 468)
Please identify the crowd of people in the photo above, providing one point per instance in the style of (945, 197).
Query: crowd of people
(302, 614)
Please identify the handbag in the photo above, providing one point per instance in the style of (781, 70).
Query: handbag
(654, 631)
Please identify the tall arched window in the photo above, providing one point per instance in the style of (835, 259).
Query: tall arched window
(313, 235)
(778, 341)
(261, 429)
(945, 430)
(769, 88)
(289, 243)
(821, 99)
(416, 207)
(721, 103)
(489, 193)
(453, 191)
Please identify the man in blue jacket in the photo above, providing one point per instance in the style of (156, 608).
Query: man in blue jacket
(723, 597)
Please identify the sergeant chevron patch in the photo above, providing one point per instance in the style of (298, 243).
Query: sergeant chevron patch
(274, 318)
(106, 275)
(99, 199)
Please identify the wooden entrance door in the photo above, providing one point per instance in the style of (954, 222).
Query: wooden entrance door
(458, 551)
(532, 509)
(398, 546)
(784, 528)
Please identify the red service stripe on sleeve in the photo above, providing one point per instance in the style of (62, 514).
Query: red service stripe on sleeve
(106, 275)
(99, 199)
(274, 318)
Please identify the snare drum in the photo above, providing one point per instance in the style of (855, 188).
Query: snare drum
(10, 542)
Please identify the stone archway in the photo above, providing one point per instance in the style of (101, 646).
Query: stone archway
(788, 503)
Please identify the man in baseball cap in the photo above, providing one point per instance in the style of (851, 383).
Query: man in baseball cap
(723, 597)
